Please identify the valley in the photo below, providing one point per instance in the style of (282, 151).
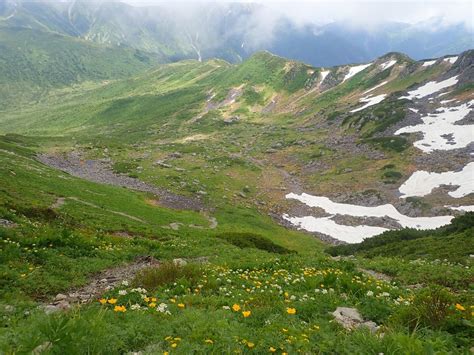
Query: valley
(204, 206)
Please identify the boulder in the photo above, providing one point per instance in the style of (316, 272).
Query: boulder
(351, 319)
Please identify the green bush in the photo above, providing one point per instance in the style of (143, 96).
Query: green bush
(167, 273)
(431, 308)
(250, 240)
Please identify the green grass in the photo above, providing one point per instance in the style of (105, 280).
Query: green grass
(33, 62)
(237, 170)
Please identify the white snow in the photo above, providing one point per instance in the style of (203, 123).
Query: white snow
(388, 64)
(324, 74)
(334, 208)
(440, 131)
(421, 183)
(452, 60)
(462, 208)
(414, 110)
(370, 101)
(444, 102)
(354, 70)
(428, 63)
(430, 88)
(376, 87)
(326, 225)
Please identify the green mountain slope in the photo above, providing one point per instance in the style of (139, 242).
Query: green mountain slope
(174, 180)
(33, 62)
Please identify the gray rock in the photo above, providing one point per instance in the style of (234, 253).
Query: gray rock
(351, 319)
(175, 225)
(180, 262)
(60, 297)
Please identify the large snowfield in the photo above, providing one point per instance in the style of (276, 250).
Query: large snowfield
(353, 234)
(440, 131)
(422, 183)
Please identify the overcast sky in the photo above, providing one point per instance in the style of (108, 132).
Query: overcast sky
(368, 13)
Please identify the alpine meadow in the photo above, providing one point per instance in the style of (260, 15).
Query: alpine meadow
(236, 177)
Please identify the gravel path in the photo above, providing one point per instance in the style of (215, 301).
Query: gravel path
(100, 171)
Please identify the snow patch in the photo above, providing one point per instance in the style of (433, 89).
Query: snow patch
(428, 63)
(421, 183)
(451, 60)
(376, 87)
(461, 208)
(332, 229)
(430, 88)
(414, 110)
(370, 101)
(444, 102)
(440, 131)
(354, 70)
(388, 64)
(324, 74)
(326, 225)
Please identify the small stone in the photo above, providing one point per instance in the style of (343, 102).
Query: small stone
(175, 225)
(180, 262)
(49, 309)
(40, 349)
(60, 297)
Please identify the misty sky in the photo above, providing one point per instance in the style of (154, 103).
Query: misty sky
(359, 13)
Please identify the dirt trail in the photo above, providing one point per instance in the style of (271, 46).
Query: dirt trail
(62, 200)
(100, 283)
(101, 171)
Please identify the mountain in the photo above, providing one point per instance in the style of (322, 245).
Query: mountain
(213, 206)
(194, 203)
(33, 62)
(231, 32)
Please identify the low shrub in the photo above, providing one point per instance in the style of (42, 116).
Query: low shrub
(250, 240)
(431, 308)
(167, 273)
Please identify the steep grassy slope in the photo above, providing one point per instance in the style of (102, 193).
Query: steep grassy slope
(33, 62)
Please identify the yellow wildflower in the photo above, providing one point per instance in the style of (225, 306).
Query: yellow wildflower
(153, 299)
(209, 341)
(250, 345)
(459, 307)
(152, 305)
(272, 349)
(236, 307)
(181, 305)
(147, 299)
(120, 309)
(103, 301)
(174, 345)
(291, 310)
(112, 301)
(246, 314)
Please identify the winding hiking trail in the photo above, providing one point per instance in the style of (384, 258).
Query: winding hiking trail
(100, 171)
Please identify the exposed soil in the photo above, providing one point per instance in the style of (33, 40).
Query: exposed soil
(100, 283)
(100, 171)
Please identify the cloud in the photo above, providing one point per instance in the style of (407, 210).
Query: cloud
(354, 12)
